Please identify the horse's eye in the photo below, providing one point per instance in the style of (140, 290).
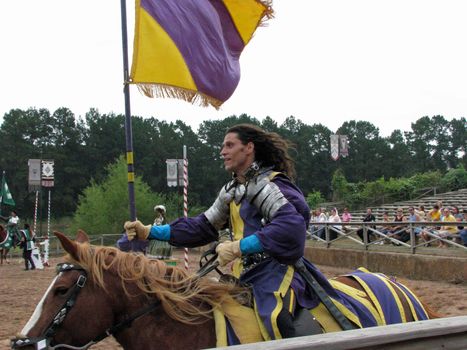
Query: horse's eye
(61, 290)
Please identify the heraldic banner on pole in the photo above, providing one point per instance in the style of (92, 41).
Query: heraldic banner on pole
(5, 194)
(339, 146)
(190, 49)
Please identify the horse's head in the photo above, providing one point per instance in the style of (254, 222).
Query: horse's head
(67, 312)
(101, 291)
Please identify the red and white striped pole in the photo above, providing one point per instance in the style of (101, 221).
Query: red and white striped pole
(185, 196)
(35, 211)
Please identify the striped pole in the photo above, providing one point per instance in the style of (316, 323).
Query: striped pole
(48, 214)
(185, 196)
(35, 210)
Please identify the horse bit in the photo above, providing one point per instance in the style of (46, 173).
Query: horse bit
(43, 341)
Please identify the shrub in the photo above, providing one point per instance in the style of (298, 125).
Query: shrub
(314, 199)
(454, 179)
(104, 207)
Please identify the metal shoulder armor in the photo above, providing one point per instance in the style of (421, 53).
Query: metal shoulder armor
(218, 213)
(265, 195)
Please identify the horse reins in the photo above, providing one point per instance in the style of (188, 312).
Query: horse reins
(43, 342)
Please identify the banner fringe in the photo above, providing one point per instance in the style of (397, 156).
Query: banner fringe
(268, 12)
(168, 91)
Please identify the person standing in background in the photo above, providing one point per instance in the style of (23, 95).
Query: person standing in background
(27, 243)
(45, 250)
(159, 249)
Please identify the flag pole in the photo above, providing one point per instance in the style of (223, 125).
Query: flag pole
(128, 129)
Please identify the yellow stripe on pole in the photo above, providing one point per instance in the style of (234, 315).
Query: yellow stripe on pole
(129, 157)
(131, 177)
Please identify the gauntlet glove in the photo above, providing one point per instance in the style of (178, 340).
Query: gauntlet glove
(227, 252)
(137, 229)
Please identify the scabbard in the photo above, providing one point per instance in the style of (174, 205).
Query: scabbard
(343, 322)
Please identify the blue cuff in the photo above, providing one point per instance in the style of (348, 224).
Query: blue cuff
(161, 233)
(251, 244)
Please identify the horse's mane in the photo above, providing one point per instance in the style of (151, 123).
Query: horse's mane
(184, 297)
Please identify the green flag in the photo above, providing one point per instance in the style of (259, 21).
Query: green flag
(5, 194)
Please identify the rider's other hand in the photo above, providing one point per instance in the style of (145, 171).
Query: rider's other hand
(137, 229)
(227, 252)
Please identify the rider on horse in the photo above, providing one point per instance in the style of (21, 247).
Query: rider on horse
(268, 217)
(12, 227)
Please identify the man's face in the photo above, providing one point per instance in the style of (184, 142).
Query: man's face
(237, 156)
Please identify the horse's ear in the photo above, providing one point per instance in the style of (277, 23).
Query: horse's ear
(82, 237)
(71, 247)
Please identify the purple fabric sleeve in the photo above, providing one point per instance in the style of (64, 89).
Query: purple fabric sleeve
(192, 232)
(284, 237)
(136, 245)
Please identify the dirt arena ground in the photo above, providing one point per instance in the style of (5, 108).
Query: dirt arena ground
(21, 290)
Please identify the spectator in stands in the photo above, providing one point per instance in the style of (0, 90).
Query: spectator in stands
(385, 228)
(434, 215)
(445, 231)
(414, 217)
(334, 217)
(463, 230)
(369, 217)
(400, 231)
(322, 218)
(456, 213)
(439, 204)
(346, 217)
(421, 213)
(314, 215)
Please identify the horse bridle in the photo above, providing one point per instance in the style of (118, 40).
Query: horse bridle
(43, 341)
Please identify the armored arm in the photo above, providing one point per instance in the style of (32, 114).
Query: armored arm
(218, 213)
(266, 196)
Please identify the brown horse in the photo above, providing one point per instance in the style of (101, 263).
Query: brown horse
(6, 242)
(143, 303)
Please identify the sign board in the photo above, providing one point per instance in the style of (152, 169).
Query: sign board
(34, 174)
(175, 172)
(172, 172)
(47, 173)
(343, 145)
(335, 147)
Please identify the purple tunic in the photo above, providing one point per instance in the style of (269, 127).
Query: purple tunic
(283, 238)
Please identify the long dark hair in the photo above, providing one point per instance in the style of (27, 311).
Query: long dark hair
(270, 148)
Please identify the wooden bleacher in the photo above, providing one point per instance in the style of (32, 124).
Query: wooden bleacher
(454, 198)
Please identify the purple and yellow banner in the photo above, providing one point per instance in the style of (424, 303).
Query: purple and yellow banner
(190, 49)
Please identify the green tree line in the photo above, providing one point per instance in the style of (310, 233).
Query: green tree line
(84, 147)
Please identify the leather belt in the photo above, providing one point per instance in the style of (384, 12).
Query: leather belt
(251, 260)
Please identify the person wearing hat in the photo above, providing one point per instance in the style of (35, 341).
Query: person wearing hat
(159, 249)
(159, 210)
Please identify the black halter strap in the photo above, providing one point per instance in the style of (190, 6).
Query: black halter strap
(70, 302)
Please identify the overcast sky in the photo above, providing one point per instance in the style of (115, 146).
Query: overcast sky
(387, 62)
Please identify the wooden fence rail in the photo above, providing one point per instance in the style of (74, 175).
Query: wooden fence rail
(321, 231)
(443, 333)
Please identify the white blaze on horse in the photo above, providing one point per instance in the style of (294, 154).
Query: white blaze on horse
(145, 304)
